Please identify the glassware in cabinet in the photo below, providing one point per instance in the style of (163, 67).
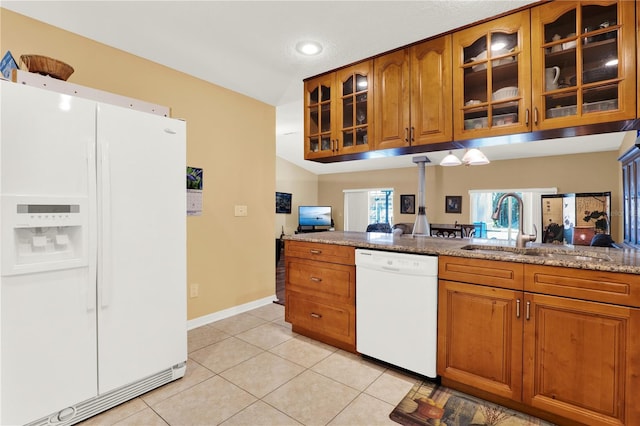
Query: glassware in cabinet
(355, 109)
(318, 117)
(582, 57)
(490, 94)
(337, 111)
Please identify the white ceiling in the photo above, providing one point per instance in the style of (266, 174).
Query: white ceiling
(249, 47)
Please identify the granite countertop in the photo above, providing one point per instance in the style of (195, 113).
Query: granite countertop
(623, 260)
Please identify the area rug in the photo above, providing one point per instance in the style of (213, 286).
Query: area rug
(429, 404)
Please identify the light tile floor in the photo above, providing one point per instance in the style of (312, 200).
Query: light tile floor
(251, 369)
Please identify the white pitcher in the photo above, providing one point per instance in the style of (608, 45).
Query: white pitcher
(551, 76)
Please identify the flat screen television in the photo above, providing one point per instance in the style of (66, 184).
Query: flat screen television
(314, 215)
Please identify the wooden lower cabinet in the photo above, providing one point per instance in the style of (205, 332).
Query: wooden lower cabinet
(480, 337)
(320, 284)
(568, 360)
(581, 360)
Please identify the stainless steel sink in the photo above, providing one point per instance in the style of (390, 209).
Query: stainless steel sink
(550, 253)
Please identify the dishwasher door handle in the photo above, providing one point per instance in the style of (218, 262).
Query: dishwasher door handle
(389, 268)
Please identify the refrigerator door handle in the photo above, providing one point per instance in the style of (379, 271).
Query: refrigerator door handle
(104, 271)
(92, 246)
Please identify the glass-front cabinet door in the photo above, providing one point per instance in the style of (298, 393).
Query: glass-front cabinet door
(583, 68)
(338, 109)
(320, 101)
(355, 109)
(491, 91)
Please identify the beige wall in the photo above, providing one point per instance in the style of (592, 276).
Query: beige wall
(231, 258)
(302, 184)
(591, 172)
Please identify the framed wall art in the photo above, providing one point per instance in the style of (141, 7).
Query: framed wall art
(453, 204)
(283, 202)
(408, 204)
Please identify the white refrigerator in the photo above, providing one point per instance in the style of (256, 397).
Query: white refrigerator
(92, 255)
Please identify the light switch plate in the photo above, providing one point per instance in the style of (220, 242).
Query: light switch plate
(241, 211)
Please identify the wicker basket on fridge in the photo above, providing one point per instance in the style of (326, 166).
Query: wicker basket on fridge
(47, 66)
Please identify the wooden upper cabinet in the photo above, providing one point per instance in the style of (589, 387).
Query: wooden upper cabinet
(392, 100)
(491, 78)
(631, 201)
(431, 91)
(319, 114)
(337, 112)
(638, 56)
(583, 63)
(413, 92)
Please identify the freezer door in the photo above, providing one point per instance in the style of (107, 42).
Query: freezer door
(47, 317)
(142, 255)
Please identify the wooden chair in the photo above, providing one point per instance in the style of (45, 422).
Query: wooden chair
(445, 231)
(467, 231)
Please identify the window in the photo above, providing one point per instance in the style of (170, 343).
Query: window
(484, 202)
(365, 206)
(381, 206)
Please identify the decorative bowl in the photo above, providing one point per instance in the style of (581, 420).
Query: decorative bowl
(504, 93)
(483, 55)
(47, 66)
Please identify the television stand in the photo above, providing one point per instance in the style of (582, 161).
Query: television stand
(307, 229)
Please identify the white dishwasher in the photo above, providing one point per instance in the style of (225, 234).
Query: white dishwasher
(397, 309)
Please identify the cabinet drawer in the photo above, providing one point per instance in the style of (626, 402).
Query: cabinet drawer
(337, 322)
(323, 252)
(480, 271)
(321, 279)
(598, 286)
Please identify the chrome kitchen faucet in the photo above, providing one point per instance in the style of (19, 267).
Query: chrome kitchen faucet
(522, 239)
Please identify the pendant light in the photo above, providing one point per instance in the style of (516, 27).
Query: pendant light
(472, 157)
(450, 160)
(475, 157)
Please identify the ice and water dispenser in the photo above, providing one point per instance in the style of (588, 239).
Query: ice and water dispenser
(43, 234)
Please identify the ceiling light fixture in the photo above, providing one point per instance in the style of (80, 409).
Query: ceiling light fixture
(309, 48)
(450, 160)
(498, 45)
(472, 157)
(475, 157)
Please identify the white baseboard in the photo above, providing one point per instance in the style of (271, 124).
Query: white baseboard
(226, 313)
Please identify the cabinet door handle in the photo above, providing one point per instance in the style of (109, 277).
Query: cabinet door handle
(526, 117)
(314, 315)
(315, 251)
(518, 308)
(316, 279)
(412, 134)
(535, 116)
(528, 314)
(337, 145)
(406, 134)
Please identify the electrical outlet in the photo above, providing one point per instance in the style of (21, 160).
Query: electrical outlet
(193, 290)
(240, 211)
